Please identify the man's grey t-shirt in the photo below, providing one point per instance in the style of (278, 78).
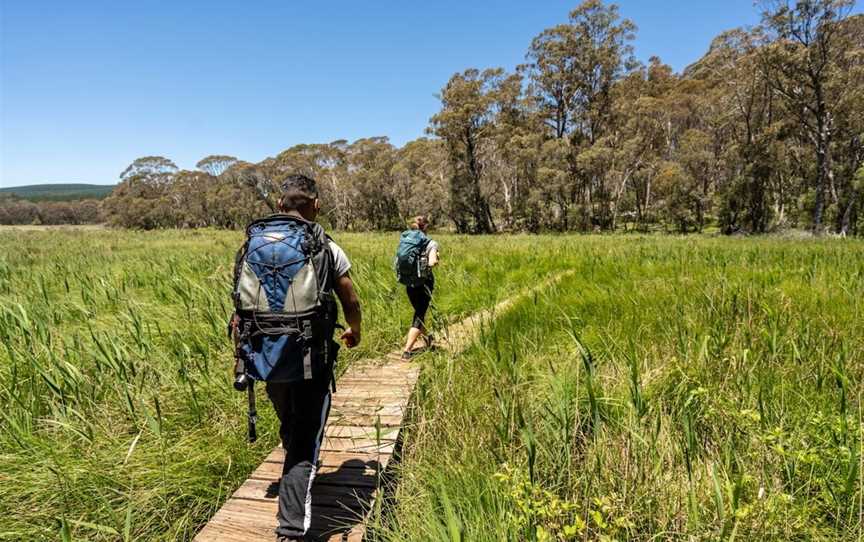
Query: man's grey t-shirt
(341, 264)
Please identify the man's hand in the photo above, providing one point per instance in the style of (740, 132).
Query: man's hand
(234, 328)
(351, 307)
(350, 337)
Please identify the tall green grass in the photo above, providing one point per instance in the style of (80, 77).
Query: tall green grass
(671, 389)
(118, 418)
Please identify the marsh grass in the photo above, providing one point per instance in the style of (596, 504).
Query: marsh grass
(669, 388)
(692, 389)
(119, 421)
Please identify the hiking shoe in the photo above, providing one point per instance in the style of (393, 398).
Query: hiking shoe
(283, 538)
(430, 341)
(406, 356)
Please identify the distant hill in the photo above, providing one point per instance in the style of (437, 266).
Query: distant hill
(58, 192)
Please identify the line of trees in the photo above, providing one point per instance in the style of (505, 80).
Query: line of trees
(17, 211)
(367, 184)
(766, 131)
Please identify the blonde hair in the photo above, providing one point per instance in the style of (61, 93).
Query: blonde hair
(419, 223)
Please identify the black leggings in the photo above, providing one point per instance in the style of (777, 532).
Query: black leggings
(420, 297)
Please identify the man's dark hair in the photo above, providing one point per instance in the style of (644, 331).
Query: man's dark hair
(297, 191)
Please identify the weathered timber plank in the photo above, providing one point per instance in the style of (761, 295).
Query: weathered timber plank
(368, 432)
(357, 445)
(370, 404)
(373, 379)
(337, 459)
(365, 420)
(352, 470)
(348, 410)
(376, 461)
(369, 396)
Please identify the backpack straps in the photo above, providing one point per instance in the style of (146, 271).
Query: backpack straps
(238, 268)
(330, 357)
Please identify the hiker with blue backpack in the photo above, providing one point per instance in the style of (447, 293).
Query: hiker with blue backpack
(286, 278)
(416, 255)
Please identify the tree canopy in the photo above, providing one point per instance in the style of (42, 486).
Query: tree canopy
(764, 132)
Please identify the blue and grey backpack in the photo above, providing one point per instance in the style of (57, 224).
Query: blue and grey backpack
(410, 263)
(283, 295)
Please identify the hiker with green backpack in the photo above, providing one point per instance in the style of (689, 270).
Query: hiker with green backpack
(287, 276)
(416, 255)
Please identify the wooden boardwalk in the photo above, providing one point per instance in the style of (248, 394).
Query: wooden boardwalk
(361, 436)
(366, 413)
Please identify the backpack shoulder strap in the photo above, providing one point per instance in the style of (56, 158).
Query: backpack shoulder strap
(331, 260)
(320, 239)
(238, 267)
(321, 251)
(422, 241)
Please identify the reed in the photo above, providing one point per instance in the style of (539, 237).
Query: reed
(669, 388)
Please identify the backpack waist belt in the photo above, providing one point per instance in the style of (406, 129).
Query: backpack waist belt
(255, 325)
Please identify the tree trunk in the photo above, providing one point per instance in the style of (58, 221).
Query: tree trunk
(479, 206)
(846, 221)
(824, 172)
(508, 203)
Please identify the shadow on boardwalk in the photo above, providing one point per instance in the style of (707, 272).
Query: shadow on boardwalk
(341, 506)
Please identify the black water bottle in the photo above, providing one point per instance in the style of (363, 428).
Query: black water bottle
(241, 379)
(241, 382)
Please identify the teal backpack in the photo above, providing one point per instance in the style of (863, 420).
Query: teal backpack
(411, 266)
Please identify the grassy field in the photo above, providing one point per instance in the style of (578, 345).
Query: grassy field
(671, 388)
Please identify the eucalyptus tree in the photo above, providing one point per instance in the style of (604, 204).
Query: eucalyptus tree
(465, 123)
(216, 164)
(421, 177)
(803, 55)
(152, 170)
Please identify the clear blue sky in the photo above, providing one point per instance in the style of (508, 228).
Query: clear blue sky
(88, 86)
